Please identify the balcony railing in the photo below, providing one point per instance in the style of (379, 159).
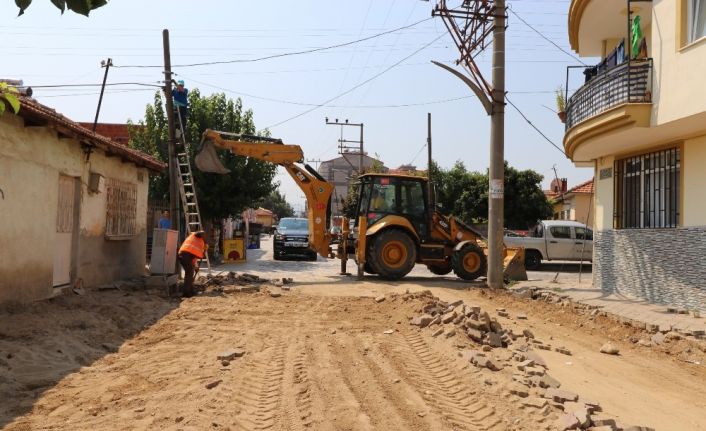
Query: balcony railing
(627, 83)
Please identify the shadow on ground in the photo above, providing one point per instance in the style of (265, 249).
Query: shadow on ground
(43, 342)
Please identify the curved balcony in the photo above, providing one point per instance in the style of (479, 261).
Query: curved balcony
(626, 83)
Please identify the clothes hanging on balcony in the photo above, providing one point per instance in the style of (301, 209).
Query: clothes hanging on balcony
(635, 36)
(590, 72)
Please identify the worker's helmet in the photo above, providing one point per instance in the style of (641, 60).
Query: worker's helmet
(180, 82)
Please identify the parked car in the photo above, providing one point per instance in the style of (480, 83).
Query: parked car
(555, 240)
(292, 239)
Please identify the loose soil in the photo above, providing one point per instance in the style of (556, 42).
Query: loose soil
(316, 358)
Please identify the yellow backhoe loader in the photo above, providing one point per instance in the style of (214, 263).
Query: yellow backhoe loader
(396, 227)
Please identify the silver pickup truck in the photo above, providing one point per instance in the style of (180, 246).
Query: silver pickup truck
(554, 240)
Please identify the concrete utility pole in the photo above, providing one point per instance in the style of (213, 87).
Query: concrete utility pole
(470, 24)
(430, 186)
(343, 148)
(107, 65)
(173, 167)
(496, 197)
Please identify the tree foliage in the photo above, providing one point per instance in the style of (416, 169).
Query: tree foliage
(8, 95)
(348, 205)
(465, 195)
(219, 196)
(83, 7)
(276, 203)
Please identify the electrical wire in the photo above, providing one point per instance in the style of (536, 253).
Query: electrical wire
(546, 38)
(533, 126)
(94, 85)
(377, 75)
(286, 54)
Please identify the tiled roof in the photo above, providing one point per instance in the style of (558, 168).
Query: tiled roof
(585, 187)
(31, 109)
(115, 131)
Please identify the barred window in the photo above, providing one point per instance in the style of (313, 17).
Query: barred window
(121, 212)
(647, 190)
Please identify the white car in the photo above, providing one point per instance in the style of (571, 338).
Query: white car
(555, 240)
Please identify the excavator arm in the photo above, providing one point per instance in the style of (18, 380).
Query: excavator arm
(315, 188)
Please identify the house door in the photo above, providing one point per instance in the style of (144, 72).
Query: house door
(65, 220)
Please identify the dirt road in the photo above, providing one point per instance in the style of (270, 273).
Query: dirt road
(324, 356)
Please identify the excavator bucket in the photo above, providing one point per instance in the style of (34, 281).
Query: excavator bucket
(514, 264)
(207, 159)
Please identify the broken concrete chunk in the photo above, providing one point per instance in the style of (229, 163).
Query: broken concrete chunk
(275, 294)
(231, 354)
(547, 381)
(451, 333)
(519, 390)
(389, 331)
(438, 332)
(560, 395)
(448, 317)
(534, 402)
(213, 384)
(609, 349)
(527, 333)
(380, 299)
(494, 339)
(563, 350)
(658, 338)
(422, 321)
(524, 364)
(567, 421)
(474, 335)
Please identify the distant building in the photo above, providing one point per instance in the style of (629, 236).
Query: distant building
(574, 204)
(407, 170)
(340, 171)
(73, 205)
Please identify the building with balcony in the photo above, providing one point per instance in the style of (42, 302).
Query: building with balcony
(639, 119)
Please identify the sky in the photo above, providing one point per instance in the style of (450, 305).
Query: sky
(388, 82)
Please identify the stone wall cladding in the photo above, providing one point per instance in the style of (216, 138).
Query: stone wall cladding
(663, 266)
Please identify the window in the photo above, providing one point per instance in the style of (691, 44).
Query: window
(560, 231)
(696, 20)
(121, 212)
(647, 190)
(582, 233)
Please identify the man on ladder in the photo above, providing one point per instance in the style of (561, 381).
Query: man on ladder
(181, 104)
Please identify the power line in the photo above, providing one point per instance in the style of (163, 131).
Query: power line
(546, 38)
(359, 84)
(94, 85)
(287, 54)
(533, 126)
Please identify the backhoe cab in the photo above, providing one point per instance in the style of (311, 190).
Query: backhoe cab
(398, 227)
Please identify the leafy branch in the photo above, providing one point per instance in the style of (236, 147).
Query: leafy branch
(83, 7)
(8, 94)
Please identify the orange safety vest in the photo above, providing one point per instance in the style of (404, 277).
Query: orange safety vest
(194, 245)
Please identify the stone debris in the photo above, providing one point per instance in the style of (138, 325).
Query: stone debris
(213, 384)
(490, 346)
(275, 294)
(380, 298)
(231, 354)
(609, 349)
(389, 331)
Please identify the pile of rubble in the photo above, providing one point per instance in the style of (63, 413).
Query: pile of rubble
(497, 348)
(233, 282)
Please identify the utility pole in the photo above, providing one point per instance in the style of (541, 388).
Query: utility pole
(430, 186)
(343, 149)
(471, 24)
(107, 65)
(496, 197)
(173, 167)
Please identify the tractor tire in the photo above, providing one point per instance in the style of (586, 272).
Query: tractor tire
(469, 262)
(393, 254)
(369, 269)
(440, 268)
(533, 260)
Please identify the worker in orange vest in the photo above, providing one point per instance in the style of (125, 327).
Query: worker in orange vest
(192, 249)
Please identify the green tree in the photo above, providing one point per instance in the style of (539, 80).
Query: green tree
(219, 196)
(83, 7)
(276, 203)
(464, 194)
(348, 205)
(8, 95)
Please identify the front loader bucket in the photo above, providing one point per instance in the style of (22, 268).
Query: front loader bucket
(207, 159)
(514, 264)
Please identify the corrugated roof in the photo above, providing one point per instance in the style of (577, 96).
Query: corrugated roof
(31, 109)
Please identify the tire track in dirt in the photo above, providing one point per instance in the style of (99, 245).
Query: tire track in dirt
(443, 388)
(260, 394)
(370, 388)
